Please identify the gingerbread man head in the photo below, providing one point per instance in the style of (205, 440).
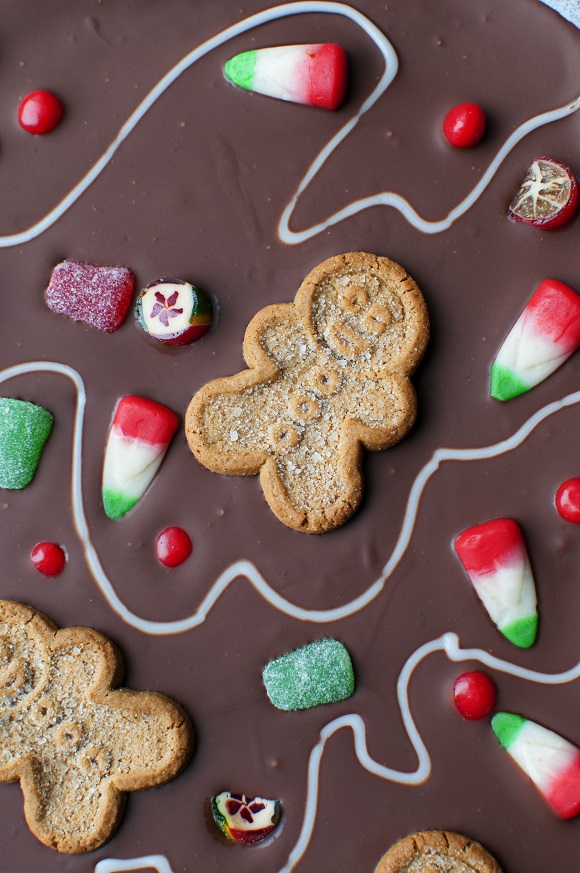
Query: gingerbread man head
(328, 375)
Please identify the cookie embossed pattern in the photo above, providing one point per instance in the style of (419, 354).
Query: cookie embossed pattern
(204, 181)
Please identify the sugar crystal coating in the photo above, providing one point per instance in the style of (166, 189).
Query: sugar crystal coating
(99, 296)
(320, 672)
(24, 429)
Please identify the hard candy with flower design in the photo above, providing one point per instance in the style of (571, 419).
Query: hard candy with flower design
(245, 819)
(174, 312)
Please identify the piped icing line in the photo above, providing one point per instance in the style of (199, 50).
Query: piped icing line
(396, 201)
(447, 643)
(245, 568)
(387, 198)
(267, 15)
(147, 862)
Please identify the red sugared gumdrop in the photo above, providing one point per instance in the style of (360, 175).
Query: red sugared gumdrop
(568, 500)
(48, 558)
(464, 125)
(173, 546)
(40, 112)
(99, 296)
(474, 694)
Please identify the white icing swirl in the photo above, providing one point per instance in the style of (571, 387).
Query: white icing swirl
(385, 198)
(146, 862)
(449, 644)
(244, 568)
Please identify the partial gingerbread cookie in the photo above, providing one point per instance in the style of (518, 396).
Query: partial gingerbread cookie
(75, 744)
(437, 852)
(329, 375)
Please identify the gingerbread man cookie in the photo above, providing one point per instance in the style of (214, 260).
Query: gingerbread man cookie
(75, 744)
(328, 375)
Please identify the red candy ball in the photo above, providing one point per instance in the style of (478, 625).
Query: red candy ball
(173, 546)
(474, 694)
(568, 500)
(464, 125)
(48, 558)
(40, 112)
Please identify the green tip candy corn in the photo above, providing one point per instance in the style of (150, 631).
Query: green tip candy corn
(544, 336)
(550, 761)
(24, 429)
(318, 673)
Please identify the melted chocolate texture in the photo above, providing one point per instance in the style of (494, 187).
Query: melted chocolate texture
(196, 192)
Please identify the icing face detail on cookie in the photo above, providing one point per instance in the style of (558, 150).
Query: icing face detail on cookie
(75, 744)
(328, 374)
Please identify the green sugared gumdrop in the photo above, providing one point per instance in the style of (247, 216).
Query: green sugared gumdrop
(320, 672)
(24, 429)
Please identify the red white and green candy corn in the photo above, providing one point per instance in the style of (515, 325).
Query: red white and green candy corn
(312, 74)
(140, 434)
(551, 762)
(544, 336)
(495, 557)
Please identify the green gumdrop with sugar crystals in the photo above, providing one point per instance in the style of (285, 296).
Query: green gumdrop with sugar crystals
(318, 673)
(24, 429)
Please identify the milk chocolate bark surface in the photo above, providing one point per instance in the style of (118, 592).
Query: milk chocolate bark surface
(196, 192)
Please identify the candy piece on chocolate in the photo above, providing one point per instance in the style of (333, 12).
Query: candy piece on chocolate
(317, 673)
(24, 429)
(40, 112)
(49, 558)
(548, 196)
(495, 557)
(139, 437)
(174, 312)
(99, 296)
(312, 74)
(245, 819)
(567, 500)
(544, 336)
(173, 546)
(474, 693)
(551, 762)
